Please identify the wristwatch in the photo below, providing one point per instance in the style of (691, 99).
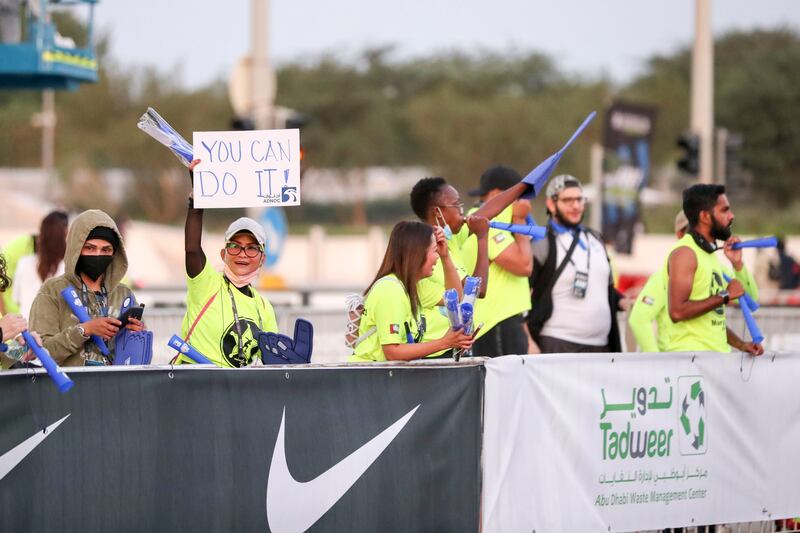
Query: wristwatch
(82, 331)
(725, 297)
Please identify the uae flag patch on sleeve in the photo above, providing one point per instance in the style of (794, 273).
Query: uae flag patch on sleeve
(394, 328)
(648, 300)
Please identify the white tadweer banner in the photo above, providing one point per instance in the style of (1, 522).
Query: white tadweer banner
(623, 442)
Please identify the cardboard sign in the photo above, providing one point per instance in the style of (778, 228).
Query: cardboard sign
(247, 168)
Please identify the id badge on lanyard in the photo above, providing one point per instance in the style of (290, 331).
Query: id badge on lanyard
(580, 284)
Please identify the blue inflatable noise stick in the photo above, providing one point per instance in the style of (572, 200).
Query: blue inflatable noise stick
(58, 376)
(539, 175)
(451, 305)
(752, 327)
(751, 303)
(747, 313)
(466, 317)
(537, 233)
(188, 350)
(472, 286)
(74, 302)
(764, 242)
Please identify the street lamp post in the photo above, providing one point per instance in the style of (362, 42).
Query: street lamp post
(702, 102)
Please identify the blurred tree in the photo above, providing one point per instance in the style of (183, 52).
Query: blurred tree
(757, 92)
(758, 97)
(455, 113)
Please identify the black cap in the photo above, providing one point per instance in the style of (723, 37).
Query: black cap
(106, 234)
(497, 177)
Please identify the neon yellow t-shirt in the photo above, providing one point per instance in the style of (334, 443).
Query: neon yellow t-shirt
(506, 294)
(15, 250)
(707, 332)
(215, 335)
(387, 308)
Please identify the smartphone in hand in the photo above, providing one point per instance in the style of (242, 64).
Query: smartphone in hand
(131, 312)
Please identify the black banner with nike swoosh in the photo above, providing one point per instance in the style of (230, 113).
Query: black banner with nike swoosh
(265, 449)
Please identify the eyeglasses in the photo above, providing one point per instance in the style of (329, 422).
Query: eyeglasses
(579, 200)
(235, 249)
(457, 205)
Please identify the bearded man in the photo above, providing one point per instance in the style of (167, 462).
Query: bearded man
(574, 302)
(697, 291)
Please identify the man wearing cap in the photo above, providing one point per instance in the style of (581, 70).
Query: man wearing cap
(94, 263)
(651, 304)
(507, 298)
(574, 300)
(224, 313)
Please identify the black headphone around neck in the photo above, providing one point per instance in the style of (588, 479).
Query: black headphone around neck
(702, 243)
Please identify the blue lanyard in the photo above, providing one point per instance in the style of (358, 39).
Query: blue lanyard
(561, 229)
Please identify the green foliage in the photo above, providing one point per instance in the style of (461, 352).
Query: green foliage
(758, 95)
(457, 114)
(757, 92)
(452, 112)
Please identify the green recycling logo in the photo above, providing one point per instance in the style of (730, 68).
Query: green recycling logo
(693, 432)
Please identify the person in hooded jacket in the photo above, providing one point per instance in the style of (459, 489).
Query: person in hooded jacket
(94, 263)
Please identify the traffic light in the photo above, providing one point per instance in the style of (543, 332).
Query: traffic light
(242, 124)
(733, 156)
(738, 180)
(296, 121)
(690, 160)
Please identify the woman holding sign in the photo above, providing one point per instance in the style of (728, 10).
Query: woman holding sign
(224, 312)
(392, 325)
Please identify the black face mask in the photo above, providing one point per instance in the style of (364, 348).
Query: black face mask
(93, 266)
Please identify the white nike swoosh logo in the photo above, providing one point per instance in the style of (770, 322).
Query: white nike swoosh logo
(15, 455)
(293, 506)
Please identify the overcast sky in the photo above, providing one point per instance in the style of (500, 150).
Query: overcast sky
(200, 40)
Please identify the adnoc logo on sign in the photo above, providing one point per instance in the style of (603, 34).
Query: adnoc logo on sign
(692, 433)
